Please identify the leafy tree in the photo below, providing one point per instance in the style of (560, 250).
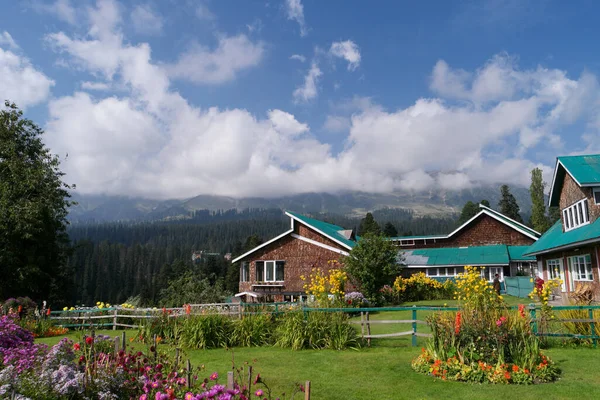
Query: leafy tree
(368, 225)
(539, 220)
(469, 210)
(33, 210)
(372, 263)
(553, 215)
(484, 202)
(508, 204)
(389, 230)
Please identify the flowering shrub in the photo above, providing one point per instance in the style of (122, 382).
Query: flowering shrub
(41, 328)
(20, 305)
(419, 287)
(483, 341)
(355, 299)
(321, 284)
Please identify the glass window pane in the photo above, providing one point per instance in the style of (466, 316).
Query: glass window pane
(432, 271)
(566, 219)
(279, 266)
(586, 216)
(270, 265)
(597, 196)
(580, 212)
(571, 220)
(260, 271)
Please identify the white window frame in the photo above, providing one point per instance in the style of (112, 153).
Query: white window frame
(245, 272)
(581, 268)
(596, 190)
(486, 273)
(442, 272)
(576, 215)
(270, 268)
(407, 242)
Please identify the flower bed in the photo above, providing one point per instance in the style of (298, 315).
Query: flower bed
(484, 341)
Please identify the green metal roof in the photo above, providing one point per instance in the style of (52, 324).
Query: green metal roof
(517, 253)
(458, 256)
(417, 237)
(327, 229)
(555, 238)
(585, 169)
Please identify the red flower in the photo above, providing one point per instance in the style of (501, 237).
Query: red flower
(48, 312)
(76, 346)
(515, 368)
(522, 310)
(89, 340)
(457, 323)
(507, 375)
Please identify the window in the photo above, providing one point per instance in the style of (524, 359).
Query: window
(245, 272)
(489, 273)
(581, 268)
(597, 195)
(576, 215)
(407, 242)
(554, 267)
(270, 271)
(442, 272)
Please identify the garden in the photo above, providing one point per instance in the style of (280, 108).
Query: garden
(481, 344)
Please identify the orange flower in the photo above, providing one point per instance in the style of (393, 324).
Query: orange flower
(526, 371)
(507, 375)
(457, 322)
(515, 368)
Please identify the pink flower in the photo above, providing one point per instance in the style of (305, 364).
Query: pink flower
(259, 393)
(214, 376)
(76, 346)
(189, 396)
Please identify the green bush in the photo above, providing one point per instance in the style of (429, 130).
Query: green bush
(253, 330)
(320, 330)
(206, 331)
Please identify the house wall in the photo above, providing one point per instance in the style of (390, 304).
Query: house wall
(592, 250)
(571, 193)
(299, 256)
(483, 231)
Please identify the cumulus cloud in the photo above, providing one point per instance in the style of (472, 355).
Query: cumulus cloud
(309, 89)
(349, 51)
(95, 85)
(336, 123)
(151, 141)
(146, 21)
(62, 9)
(295, 12)
(298, 57)
(7, 40)
(21, 82)
(232, 55)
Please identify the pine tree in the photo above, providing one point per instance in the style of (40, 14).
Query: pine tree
(508, 204)
(539, 220)
(469, 210)
(368, 225)
(390, 230)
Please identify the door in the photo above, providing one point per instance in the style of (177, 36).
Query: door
(556, 270)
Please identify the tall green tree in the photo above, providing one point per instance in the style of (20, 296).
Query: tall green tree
(33, 210)
(389, 230)
(372, 263)
(368, 225)
(508, 204)
(485, 202)
(469, 210)
(539, 220)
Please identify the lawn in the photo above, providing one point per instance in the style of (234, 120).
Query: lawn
(383, 371)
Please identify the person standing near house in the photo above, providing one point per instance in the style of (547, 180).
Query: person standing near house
(497, 284)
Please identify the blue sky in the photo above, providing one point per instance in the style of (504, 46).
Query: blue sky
(170, 99)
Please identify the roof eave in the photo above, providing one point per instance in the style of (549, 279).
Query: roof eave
(564, 247)
(319, 231)
(261, 246)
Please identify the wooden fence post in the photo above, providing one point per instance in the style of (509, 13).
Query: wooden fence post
(230, 380)
(307, 390)
(249, 379)
(368, 331)
(188, 366)
(115, 319)
(593, 327)
(117, 340)
(414, 326)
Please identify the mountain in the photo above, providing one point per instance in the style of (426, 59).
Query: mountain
(100, 208)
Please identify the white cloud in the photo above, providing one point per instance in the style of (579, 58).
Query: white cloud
(204, 13)
(336, 124)
(7, 40)
(232, 55)
(20, 82)
(95, 85)
(298, 57)
(349, 51)
(62, 9)
(146, 21)
(309, 89)
(295, 12)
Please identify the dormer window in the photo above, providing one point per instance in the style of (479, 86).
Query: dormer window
(576, 215)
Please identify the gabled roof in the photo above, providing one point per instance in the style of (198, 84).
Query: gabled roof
(333, 232)
(336, 233)
(517, 253)
(554, 239)
(458, 256)
(525, 230)
(584, 169)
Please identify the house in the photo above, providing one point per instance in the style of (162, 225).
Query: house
(272, 271)
(570, 249)
(489, 239)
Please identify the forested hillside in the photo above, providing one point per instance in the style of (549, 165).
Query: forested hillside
(115, 261)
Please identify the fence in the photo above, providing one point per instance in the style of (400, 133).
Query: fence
(518, 286)
(586, 318)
